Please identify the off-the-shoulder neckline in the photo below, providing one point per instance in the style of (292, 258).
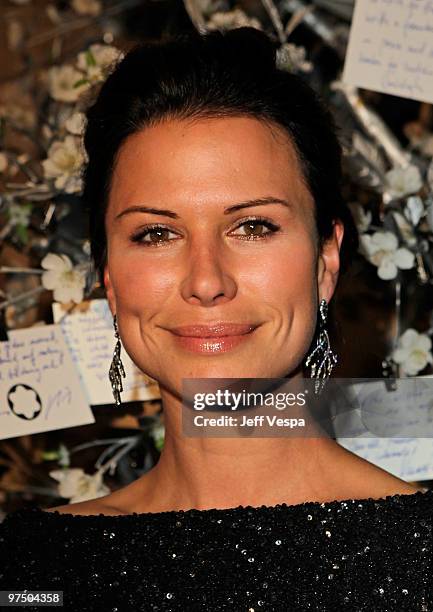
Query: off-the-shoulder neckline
(283, 507)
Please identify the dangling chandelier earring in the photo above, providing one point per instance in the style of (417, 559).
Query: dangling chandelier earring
(322, 358)
(116, 367)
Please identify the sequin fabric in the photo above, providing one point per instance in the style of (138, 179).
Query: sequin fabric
(367, 554)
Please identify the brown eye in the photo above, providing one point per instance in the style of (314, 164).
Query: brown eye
(157, 235)
(254, 228)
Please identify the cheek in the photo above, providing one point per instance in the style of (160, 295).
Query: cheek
(289, 276)
(140, 287)
(289, 292)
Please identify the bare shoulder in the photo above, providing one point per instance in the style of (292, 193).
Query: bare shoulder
(383, 483)
(87, 508)
(363, 479)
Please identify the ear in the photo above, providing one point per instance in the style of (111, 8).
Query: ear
(328, 264)
(109, 291)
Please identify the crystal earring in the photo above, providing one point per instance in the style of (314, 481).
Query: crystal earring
(322, 358)
(116, 368)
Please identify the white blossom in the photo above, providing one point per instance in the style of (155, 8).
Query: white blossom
(76, 485)
(382, 250)
(64, 162)
(86, 7)
(75, 123)
(400, 182)
(95, 61)
(293, 58)
(62, 83)
(413, 352)
(62, 278)
(414, 209)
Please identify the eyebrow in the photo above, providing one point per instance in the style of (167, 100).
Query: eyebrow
(231, 209)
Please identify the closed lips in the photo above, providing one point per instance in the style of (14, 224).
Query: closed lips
(214, 331)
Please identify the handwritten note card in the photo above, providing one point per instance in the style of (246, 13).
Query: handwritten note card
(39, 387)
(404, 416)
(391, 48)
(89, 333)
(407, 458)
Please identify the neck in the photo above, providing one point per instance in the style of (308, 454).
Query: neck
(221, 472)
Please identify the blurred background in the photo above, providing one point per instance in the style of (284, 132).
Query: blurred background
(54, 55)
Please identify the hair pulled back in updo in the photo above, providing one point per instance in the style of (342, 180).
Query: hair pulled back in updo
(216, 74)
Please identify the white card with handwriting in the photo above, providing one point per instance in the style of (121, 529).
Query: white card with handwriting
(89, 333)
(392, 429)
(40, 389)
(391, 48)
(408, 458)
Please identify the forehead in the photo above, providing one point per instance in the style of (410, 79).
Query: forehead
(206, 160)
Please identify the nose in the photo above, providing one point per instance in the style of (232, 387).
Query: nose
(207, 280)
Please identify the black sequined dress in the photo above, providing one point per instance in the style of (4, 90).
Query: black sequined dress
(363, 554)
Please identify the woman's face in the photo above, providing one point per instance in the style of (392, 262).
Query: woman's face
(213, 261)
